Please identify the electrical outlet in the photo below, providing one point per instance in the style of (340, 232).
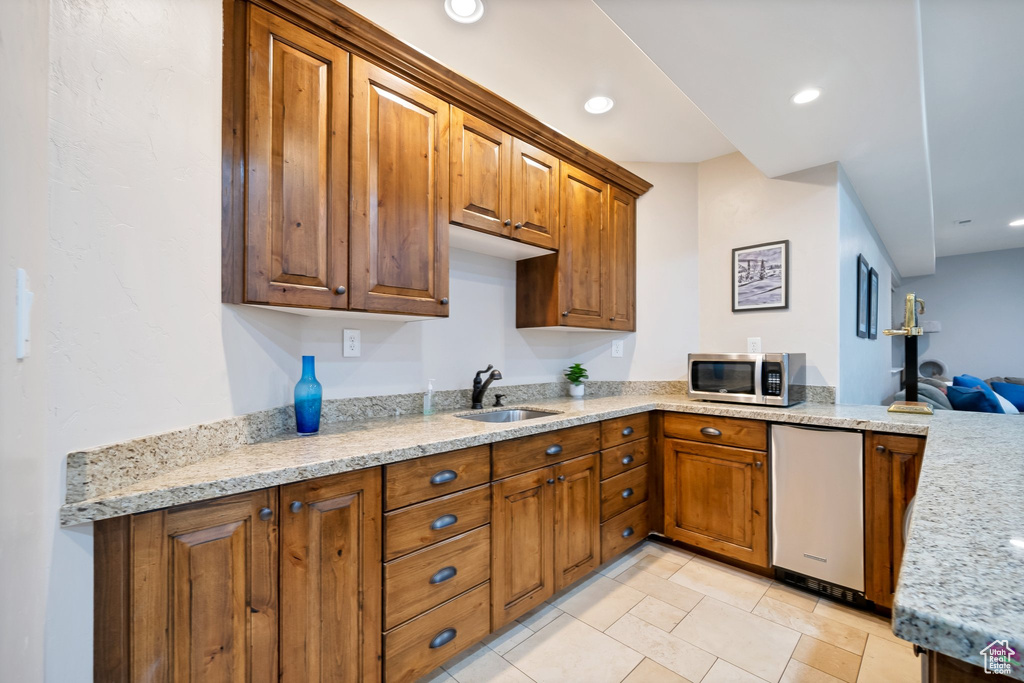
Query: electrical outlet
(351, 347)
(753, 345)
(617, 345)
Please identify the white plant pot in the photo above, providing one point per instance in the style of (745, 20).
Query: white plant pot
(576, 390)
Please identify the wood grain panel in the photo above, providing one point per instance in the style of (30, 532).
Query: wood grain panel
(411, 528)
(618, 262)
(623, 491)
(624, 531)
(408, 589)
(297, 209)
(751, 434)
(412, 481)
(534, 200)
(623, 458)
(112, 600)
(399, 209)
(583, 215)
(627, 428)
(522, 544)
(529, 452)
(407, 649)
(330, 578)
(577, 519)
(481, 161)
(716, 498)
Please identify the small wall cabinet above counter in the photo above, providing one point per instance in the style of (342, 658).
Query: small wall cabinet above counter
(347, 155)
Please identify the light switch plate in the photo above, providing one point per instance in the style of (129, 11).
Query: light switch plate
(351, 346)
(753, 345)
(617, 348)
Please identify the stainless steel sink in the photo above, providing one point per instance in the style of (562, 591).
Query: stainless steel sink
(510, 415)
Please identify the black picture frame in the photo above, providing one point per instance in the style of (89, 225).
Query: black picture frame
(753, 278)
(863, 282)
(873, 305)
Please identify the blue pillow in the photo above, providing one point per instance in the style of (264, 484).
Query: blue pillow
(973, 399)
(1014, 393)
(971, 381)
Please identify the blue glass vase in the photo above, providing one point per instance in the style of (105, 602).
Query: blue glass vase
(308, 398)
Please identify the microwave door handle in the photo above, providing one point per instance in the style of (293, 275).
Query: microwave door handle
(758, 397)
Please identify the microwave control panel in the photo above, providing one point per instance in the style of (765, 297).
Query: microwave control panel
(771, 379)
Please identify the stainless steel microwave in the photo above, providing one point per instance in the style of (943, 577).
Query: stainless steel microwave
(773, 379)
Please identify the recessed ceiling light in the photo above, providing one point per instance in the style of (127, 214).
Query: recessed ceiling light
(1017, 223)
(599, 104)
(805, 96)
(464, 11)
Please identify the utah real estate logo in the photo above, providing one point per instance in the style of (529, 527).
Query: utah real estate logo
(999, 657)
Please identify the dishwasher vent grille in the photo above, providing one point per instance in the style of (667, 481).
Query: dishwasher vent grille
(830, 590)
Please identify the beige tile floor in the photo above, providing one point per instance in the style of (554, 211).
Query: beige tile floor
(662, 615)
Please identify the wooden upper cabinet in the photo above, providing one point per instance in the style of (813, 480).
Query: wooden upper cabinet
(619, 262)
(716, 498)
(399, 208)
(481, 161)
(584, 215)
(196, 587)
(331, 578)
(296, 237)
(535, 181)
(577, 519)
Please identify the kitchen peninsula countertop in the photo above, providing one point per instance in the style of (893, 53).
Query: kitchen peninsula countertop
(961, 584)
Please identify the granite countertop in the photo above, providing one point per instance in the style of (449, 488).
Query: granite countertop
(962, 579)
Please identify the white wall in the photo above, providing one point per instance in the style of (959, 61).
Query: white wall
(136, 334)
(977, 298)
(29, 481)
(739, 206)
(865, 365)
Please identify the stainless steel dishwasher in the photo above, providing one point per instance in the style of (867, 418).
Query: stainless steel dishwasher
(818, 509)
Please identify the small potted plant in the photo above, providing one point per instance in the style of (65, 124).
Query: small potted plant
(576, 373)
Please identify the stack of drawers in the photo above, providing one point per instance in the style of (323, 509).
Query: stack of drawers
(624, 481)
(437, 552)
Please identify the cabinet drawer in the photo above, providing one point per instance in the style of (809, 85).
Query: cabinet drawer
(623, 531)
(623, 458)
(623, 429)
(728, 431)
(425, 579)
(539, 450)
(420, 525)
(418, 480)
(419, 646)
(623, 492)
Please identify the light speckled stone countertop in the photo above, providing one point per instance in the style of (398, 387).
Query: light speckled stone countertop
(962, 580)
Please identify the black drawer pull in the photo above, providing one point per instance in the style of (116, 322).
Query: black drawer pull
(443, 477)
(443, 638)
(443, 521)
(443, 575)
(628, 459)
(627, 431)
(627, 493)
(628, 532)
(554, 450)
(710, 431)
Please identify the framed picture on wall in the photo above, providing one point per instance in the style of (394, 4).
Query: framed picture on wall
(760, 276)
(863, 284)
(873, 305)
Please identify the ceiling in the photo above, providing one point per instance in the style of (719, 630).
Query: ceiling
(549, 57)
(921, 102)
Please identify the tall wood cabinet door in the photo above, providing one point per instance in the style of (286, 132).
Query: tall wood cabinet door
(204, 592)
(577, 519)
(583, 215)
(481, 161)
(399, 208)
(522, 528)
(331, 578)
(535, 179)
(716, 498)
(892, 464)
(297, 160)
(619, 262)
